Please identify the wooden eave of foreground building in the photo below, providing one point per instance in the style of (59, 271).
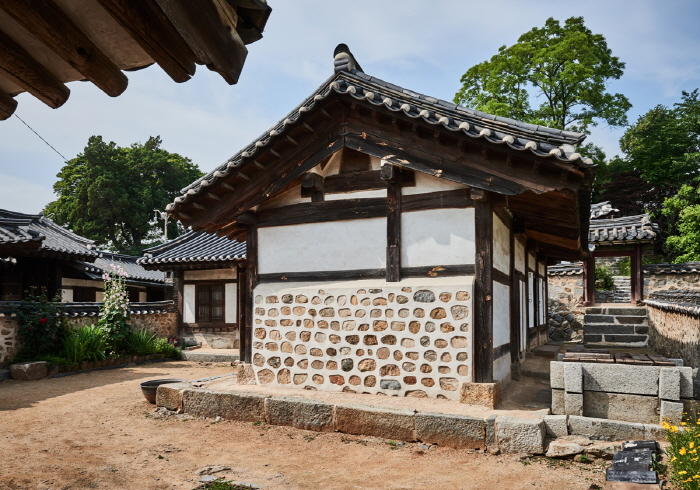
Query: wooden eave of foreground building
(46, 43)
(533, 171)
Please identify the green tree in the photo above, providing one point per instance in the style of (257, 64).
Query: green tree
(555, 76)
(684, 208)
(108, 193)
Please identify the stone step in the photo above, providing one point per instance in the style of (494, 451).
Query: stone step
(189, 355)
(608, 328)
(616, 339)
(546, 350)
(625, 311)
(622, 319)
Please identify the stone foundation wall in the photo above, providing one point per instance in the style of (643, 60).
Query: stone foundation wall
(213, 340)
(565, 305)
(412, 338)
(670, 282)
(9, 342)
(675, 334)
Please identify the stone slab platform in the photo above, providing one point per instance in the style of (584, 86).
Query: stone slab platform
(211, 355)
(430, 420)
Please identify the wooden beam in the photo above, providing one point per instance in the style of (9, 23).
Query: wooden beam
(559, 241)
(323, 211)
(247, 218)
(19, 67)
(152, 30)
(48, 23)
(212, 39)
(7, 105)
(362, 181)
(312, 185)
(483, 289)
(458, 198)
(439, 271)
(393, 222)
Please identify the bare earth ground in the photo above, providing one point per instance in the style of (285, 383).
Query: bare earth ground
(97, 431)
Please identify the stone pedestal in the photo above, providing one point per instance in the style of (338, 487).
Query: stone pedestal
(484, 394)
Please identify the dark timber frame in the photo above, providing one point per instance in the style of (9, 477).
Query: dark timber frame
(636, 273)
(483, 287)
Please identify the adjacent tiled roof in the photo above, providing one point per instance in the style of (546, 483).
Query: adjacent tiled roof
(129, 264)
(628, 228)
(195, 247)
(565, 269)
(349, 81)
(683, 268)
(19, 229)
(7, 260)
(683, 301)
(602, 209)
(93, 308)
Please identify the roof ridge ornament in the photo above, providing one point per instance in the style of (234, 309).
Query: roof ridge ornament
(343, 60)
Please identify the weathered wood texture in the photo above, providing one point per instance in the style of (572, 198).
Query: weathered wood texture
(483, 288)
(393, 223)
(251, 283)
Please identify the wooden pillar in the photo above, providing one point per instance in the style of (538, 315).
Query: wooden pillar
(242, 309)
(251, 281)
(483, 287)
(589, 281)
(392, 176)
(514, 302)
(179, 277)
(637, 279)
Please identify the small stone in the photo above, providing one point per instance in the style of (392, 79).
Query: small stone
(403, 313)
(380, 325)
(332, 365)
(398, 326)
(440, 343)
(331, 352)
(347, 364)
(354, 380)
(300, 349)
(275, 362)
(410, 380)
(208, 478)
(494, 450)
(337, 379)
(367, 365)
(463, 370)
(424, 296)
(303, 364)
(389, 370)
(390, 384)
(320, 337)
(318, 379)
(383, 353)
(300, 378)
(445, 297)
(302, 299)
(414, 356)
(283, 376)
(211, 469)
(449, 384)
(429, 327)
(459, 343)
(416, 394)
(370, 340)
(370, 381)
(426, 368)
(446, 327)
(389, 340)
(401, 299)
(266, 376)
(424, 447)
(317, 364)
(438, 313)
(305, 336)
(429, 382)
(287, 298)
(398, 355)
(414, 327)
(430, 355)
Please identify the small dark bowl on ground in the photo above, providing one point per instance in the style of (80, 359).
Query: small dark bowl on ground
(149, 388)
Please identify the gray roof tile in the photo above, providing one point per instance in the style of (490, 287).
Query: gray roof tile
(628, 228)
(194, 247)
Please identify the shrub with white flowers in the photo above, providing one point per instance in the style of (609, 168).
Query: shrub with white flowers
(114, 314)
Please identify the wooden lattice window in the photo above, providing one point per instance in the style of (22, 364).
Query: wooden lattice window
(210, 303)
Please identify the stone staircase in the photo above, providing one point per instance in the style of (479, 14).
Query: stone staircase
(622, 289)
(616, 326)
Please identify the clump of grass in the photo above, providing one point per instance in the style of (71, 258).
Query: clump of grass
(684, 457)
(224, 485)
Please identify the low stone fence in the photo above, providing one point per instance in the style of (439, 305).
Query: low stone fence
(159, 317)
(674, 324)
(633, 393)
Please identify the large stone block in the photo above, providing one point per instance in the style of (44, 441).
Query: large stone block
(573, 403)
(371, 421)
(170, 395)
(671, 412)
(670, 384)
(626, 339)
(654, 432)
(520, 435)
(609, 328)
(301, 413)
(560, 448)
(609, 430)
(29, 371)
(621, 378)
(627, 311)
(484, 394)
(457, 431)
(617, 406)
(558, 406)
(686, 381)
(246, 407)
(556, 375)
(556, 425)
(573, 377)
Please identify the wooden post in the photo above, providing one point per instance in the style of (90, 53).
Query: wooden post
(589, 281)
(242, 310)
(637, 279)
(483, 287)
(251, 243)
(179, 276)
(392, 176)
(514, 303)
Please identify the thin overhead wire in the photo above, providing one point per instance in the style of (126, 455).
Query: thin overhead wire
(42, 139)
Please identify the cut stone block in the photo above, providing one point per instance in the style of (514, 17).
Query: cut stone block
(604, 449)
(686, 381)
(671, 412)
(560, 449)
(370, 421)
(556, 425)
(616, 406)
(29, 371)
(573, 378)
(654, 431)
(626, 339)
(518, 435)
(573, 403)
(626, 311)
(170, 395)
(301, 413)
(631, 320)
(621, 378)
(608, 328)
(556, 375)
(670, 384)
(246, 407)
(483, 394)
(246, 374)
(619, 485)
(592, 339)
(456, 431)
(598, 319)
(609, 430)
(491, 430)
(558, 406)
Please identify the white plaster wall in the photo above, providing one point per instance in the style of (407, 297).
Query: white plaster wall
(99, 296)
(501, 314)
(336, 245)
(67, 295)
(501, 370)
(438, 237)
(188, 294)
(212, 274)
(501, 245)
(143, 296)
(532, 260)
(542, 269)
(519, 255)
(231, 302)
(427, 183)
(302, 334)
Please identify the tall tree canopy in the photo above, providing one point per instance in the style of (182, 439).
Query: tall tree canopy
(555, 76)
(108, 193)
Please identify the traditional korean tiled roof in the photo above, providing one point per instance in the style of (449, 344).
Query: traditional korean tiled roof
(626, 229)
(682, 268)
(683, 301)
(602, 209)
(51, 239)
(194, 247)
(128, 262)
(93, 308)
(565, 269)
(7, 261)
(350, 82)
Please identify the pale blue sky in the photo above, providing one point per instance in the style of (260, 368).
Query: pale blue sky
(423, 45)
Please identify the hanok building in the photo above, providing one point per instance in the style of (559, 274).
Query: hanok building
(207, 270)
(396, 243)
(38, 253)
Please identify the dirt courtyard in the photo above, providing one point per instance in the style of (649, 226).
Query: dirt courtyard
(96, 430)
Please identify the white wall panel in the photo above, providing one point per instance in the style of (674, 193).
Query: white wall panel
(188, 309)
(231, 302)
(501, 314)
(437, 237)
(520, 256)
(337, 245)
(501, 245)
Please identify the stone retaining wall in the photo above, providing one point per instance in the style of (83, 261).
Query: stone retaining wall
(674, 325)
(396, 340)
(9, 341)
